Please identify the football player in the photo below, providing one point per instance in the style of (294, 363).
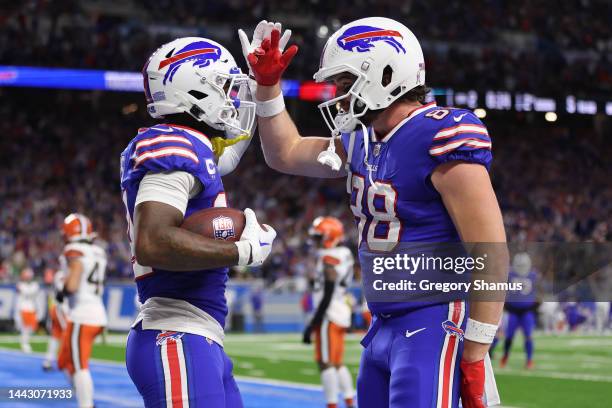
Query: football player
(83, 288)
(57, 319)
(415, 172)
(85, 264)
(27, 294)
(175, 354)
(521, 307)
(333, 314)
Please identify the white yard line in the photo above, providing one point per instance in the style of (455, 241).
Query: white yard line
(555, 375)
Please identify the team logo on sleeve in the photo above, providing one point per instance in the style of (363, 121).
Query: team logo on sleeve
(452, 329)
(200, 53)
(223, 227)
(167, 336)
(362, 38)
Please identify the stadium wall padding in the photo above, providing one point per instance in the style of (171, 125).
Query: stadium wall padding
(282, 312)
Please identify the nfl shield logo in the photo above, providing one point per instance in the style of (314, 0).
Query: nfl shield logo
(223, 227)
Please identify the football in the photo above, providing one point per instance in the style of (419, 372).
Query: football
(217, 222)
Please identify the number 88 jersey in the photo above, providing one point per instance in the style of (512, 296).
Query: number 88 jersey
(85, 305)
(404, 206)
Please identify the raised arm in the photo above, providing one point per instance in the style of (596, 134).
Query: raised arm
(284, 149)
(287, 151)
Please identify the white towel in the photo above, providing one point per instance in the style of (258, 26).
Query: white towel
(491, 395)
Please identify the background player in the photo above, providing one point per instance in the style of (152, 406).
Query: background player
(175, 353)
(333, 312)
(429, 165)
(521, 307)
(83, 288)
(26, 307)
(57, 318)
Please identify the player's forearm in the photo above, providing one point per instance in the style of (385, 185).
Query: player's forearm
(278, 133)
(487, 307)
(75, 268)
(328, 292)
(176, 249)
(490, 309)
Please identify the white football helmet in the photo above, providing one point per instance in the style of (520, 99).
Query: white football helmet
(521, 263)
(365, 48)
(199, 76)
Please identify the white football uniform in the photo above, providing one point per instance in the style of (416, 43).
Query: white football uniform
(339, 310)
(86, 306)
(27, 296)
(59, 279)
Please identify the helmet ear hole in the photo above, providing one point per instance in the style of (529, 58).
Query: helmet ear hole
(197, 94)
(396, 91)
(387, 76)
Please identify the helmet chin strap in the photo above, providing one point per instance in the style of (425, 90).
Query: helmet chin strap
(366, 148)
(329, 157)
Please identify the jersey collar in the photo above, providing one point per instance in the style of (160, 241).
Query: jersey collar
(187, 129)
(411, 115)
(196, 133)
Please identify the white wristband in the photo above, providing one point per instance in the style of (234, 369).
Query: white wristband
(273, 107)
(244, 252)
(480, 332)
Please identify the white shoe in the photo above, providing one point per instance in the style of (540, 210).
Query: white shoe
(26, 348)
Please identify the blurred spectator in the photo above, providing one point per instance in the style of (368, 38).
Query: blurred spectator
(515, 45)
(552, 182)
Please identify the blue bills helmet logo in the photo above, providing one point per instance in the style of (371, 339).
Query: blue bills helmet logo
(362, 38)
(201, 53)
(167, 336)
(223, 227)
(452, 329)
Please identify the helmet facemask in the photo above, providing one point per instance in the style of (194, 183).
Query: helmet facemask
(223, 102)
(336, 118)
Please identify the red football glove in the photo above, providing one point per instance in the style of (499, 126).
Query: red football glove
(267, 62)
(472, 384)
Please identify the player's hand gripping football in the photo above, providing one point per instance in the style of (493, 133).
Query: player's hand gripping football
(255, 243)
(472, 383)
(267, 61)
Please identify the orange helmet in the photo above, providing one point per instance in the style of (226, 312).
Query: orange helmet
(27, 274)
(77, 227)
(330, 229)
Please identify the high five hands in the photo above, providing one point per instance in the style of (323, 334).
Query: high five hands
(265, 53)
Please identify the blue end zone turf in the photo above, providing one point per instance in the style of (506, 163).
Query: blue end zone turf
(113, 387)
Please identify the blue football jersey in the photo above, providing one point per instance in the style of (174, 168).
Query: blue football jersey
(526, 297)
(164, 148)
(405, 206)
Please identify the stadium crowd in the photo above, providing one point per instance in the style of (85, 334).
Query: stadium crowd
(512, 45)
(552, 182)
(54, 163)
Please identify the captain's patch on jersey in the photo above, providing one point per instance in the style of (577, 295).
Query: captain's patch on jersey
(223, 227)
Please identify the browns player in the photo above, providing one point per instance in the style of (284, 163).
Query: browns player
(333, 314)
(83, 288)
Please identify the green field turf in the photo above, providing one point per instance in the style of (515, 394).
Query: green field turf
(571, 371)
